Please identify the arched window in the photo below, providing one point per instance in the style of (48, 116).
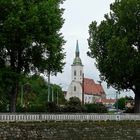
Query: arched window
(74, 88)
(74, 72)
(80, 72)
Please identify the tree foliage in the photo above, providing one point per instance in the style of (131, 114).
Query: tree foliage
(73, 105)
(30, 41)
(33, 91)
(115, 44)
(35, 95)
(120, 104)
(58, 94)
(74, 101)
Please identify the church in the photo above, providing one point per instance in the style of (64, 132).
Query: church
(84, 88)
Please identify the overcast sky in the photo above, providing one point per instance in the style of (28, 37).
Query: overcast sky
(78, 15)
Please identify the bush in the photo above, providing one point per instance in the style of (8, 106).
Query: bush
(31, 108)
(73, 105)
(3, 107)
(74, 101)
(73, 109)
(129, 110)
(96, 108)
(52, 107)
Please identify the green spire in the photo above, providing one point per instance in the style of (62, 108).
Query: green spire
(77, 49)
(77, 60)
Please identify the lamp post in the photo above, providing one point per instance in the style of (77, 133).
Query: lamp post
(48, 87)
(83, 89)
(117, 92)
(57, 97)
(52, 94)
(117, 101)
(57, 93)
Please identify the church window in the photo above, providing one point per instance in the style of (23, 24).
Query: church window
(74, 88)
(80, 73)
(75, 73)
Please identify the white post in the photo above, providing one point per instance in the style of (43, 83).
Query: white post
(52, 95)
(57, 97)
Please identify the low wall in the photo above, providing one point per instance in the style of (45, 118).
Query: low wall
(9, 117)
(71, 130)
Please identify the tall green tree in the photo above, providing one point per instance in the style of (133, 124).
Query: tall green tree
(29, 35)
(115, 44)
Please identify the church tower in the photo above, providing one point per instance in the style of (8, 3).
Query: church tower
(75, 88)
(77, 66)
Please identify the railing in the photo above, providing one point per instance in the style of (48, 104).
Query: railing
(10, 117)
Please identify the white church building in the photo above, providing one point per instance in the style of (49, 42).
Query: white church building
(83, 88)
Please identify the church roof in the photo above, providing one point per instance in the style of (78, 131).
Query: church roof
(105, 101)
(90, 87)
(77, 49)
(77, 61)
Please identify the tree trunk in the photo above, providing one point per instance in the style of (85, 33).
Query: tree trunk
(137, 102)
(13, 97)
(13, 103)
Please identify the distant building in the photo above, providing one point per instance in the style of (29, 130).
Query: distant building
(106, 102)
(83, 88)
(129, 104)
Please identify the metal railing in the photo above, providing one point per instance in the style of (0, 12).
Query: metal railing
(10, 117)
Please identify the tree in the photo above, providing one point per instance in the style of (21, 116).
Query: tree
(74, 101)
(29, 39)
(121, 103)
(74, 105)
(115, 44)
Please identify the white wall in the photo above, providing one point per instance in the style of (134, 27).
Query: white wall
(74, 90)
(79, 75)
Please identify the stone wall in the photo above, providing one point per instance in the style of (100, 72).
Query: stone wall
(109, 130)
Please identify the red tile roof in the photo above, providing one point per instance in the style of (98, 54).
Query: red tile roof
(90, 87)
(105, 101)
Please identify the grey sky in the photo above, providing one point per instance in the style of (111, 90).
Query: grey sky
(78, 15)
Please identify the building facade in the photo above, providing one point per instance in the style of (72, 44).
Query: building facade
(83, 88)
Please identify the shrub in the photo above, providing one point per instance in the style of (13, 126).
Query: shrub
(73, 105)
(95, 108)
(31, 108)
(3, 107)
(129, 110)
(52, 107)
